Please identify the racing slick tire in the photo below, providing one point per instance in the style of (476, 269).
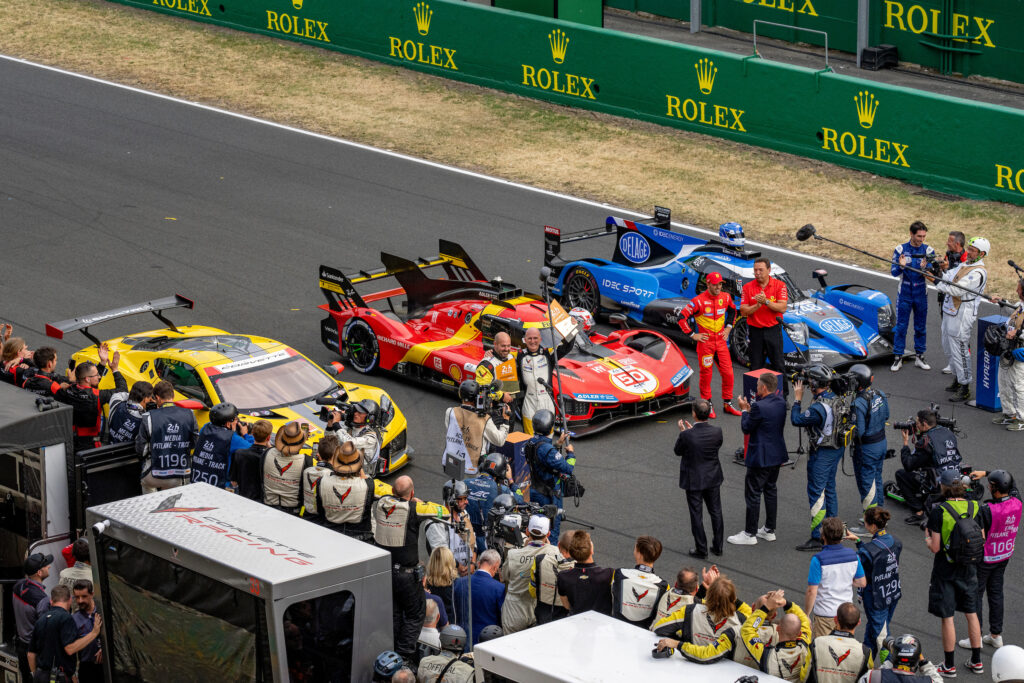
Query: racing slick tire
(361, 349)
(739, 344)
(580, 291)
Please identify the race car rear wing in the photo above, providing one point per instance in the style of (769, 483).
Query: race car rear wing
(554, 238)
(81, 324)
(462, 279)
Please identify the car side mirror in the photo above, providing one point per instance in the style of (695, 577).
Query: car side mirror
(619, 320)
(334, 369)
(191, 404)
(820, 275)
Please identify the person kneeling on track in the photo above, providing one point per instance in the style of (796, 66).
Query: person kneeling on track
(935, 450)
(904, 663)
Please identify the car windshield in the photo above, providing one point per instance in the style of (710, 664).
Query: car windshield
(293, 380)
(793, 292)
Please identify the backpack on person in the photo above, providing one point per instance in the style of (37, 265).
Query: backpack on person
(966, 540)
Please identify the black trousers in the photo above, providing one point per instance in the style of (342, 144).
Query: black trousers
(761, 481)
(990, 580)
(766, 348)
(408, 609)
(22, 651)
(548, 613)
(696, 500)
(912, 486)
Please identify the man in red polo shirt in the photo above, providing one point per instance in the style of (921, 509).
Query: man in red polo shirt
(713, 312)
(764, 301)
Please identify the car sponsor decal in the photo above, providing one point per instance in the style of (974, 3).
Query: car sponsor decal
(633, 380)
(634, 247)
(706, 361)
(250, 362)
(596, 398)
(836, 325)
(681, 376)
(455, 372)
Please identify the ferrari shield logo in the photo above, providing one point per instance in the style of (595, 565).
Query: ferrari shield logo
(633, 380)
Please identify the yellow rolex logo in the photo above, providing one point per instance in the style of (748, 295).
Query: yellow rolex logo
(706, 71)
(297, 4)
(423, 14)
(559, 44)
(867, 105)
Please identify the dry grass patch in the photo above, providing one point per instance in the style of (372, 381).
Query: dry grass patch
(634, 164)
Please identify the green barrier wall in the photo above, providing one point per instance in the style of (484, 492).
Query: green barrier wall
(942, 143)
(838, 18)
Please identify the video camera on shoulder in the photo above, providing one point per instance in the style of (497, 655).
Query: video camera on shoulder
(814, 375)
(933, 264)
(339, 403)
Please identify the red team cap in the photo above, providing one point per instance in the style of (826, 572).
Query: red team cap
(714, 278)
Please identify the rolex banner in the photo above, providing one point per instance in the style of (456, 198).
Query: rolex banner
(942, 143)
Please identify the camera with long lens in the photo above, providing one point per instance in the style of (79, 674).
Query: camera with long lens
(910, 424)
(329, 404)
(506, 526)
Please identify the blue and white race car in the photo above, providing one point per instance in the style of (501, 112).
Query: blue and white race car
(654, 273)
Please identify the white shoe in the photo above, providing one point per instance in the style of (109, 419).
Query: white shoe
(965, 643)
(765, 534)
(743, 538)
(897, 364)
(947, 370)
(920, 362)
(994, 641)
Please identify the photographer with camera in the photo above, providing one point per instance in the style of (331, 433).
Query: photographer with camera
(218, 440)
(870, 413)
(912, 296)
(470, 430)
(548, 467)
(935, 450)
(822, 420)
(492, 481)
(458, 536)
(1011, 370)
(358, 424)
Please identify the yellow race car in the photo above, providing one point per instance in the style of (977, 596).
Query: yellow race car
(263, 378)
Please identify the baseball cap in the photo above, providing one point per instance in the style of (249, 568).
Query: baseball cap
(37, 561)
(539, 525)
(714, 278)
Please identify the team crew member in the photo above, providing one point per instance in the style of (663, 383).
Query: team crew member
(87, 400)
(713, 313)
(912, 296)
(637, 592)
(90, 666)
(55, 640)
(834, 573)
(126, 411)
(470, 434)
(165, 440)
(81, 569)
(362, 431)
(547, 465)
(448, 666)
(16, 360)
(960, 310)
(953, 586)
(283, 466)
(682, 594)
(826, 449)
(534, 367)
(870, 413)
(763, 303)
(29, 600)
(346, 496)
(906, 664)
(586, 586)
(838, 657)
(880, 558)
(1000, 519)
(397, 517)
(323, 465)
(935, 450)
(518, 612)
(40, 378)
(1011, 371)
(496, 373)
(462, 545)
(217, 442)
(789, 657)
(544, 580)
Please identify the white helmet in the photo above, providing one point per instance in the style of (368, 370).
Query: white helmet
(980, 243)
(1008, 664)
(583, 317)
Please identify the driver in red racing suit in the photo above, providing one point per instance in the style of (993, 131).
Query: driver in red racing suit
(713, 312)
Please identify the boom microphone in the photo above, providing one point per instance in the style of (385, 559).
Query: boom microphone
(1013, 265)
(805, 233)
(545, 273)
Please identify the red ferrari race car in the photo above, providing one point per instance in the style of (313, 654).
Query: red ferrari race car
(436, 330)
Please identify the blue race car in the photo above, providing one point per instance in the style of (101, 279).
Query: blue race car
(654, 273)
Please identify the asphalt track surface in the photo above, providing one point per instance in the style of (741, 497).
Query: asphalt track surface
(110, 196)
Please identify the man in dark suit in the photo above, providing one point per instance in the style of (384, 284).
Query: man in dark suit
(766, 453)
(700, 475)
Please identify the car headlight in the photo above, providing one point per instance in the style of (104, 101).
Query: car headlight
(387, 410)
(797, 332)
(885, 316)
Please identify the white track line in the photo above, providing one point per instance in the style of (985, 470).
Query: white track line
(434, 164)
